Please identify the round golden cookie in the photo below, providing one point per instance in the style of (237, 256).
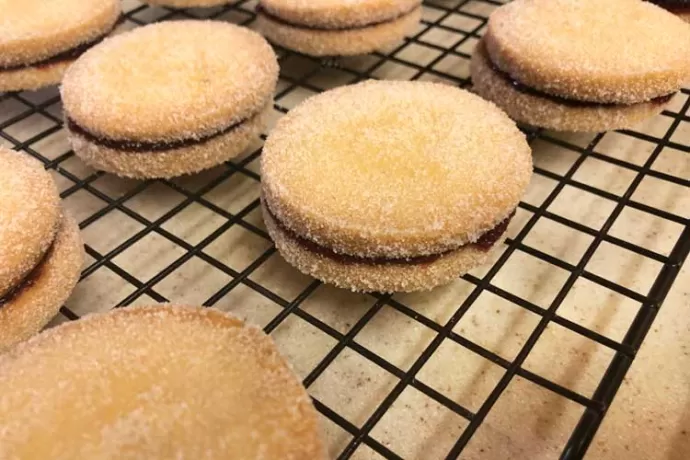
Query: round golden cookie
(171, 96)
(561, 115)
(154, 382)
(392, 173)
(38, 39)
(337, 28)
(38, 297)
(618, 51)
(29, 216)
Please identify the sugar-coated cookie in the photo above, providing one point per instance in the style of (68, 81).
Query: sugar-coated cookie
(40, 39)
(581, 65)
(157, 382)
(170, 98)
(392, 186)
(337, 27)
(538, 109)
(40, 249)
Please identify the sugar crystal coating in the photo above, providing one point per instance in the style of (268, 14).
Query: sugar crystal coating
(346, 42)
(394, 169)
(32, 30)
(154, 382)
(543, 112)
(378, 277)
(338, 13)
(621, 51)
(33, 77)
(38, 302)
(174, 162)
(29, 215)
(171, 80)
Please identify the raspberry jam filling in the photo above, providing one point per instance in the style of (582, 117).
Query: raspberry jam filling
(67, 55)
(147, 146)
(28, 281)
(523, 88)
(484, 243)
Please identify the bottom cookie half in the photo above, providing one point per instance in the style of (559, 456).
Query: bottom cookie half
(377, 277)
(338, 42)
(550, 113)
(33, 77)
(186, 159)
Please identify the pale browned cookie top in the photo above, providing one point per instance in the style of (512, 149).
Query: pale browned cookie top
(338, 13)
(622, 51)
(170, 81)
(154, 382)
(29, 216)
(33, 30)
(394, 169)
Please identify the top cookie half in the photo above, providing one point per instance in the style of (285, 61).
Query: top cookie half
(614, 51)
(170, 81)
(394, 169)
(154, 383)
(34, 30)
(29, 216)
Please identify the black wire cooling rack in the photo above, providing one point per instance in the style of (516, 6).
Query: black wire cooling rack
(441, 48)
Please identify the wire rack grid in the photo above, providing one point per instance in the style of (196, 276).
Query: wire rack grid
(435, 375)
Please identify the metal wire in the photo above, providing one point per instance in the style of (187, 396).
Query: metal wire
(594, 407)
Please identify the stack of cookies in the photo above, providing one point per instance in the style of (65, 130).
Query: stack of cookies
(39, 39)
(40, 249)
(582, 65)
(169, 99)
(392, 186)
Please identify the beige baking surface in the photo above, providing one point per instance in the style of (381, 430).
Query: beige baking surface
(650, 418)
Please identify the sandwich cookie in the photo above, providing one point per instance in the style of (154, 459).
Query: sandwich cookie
(681, 8)
(40, 249)
(169, 99)
(154, 382)
(39, 39)
(581, 65)
(392, 186)
(331, 28)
